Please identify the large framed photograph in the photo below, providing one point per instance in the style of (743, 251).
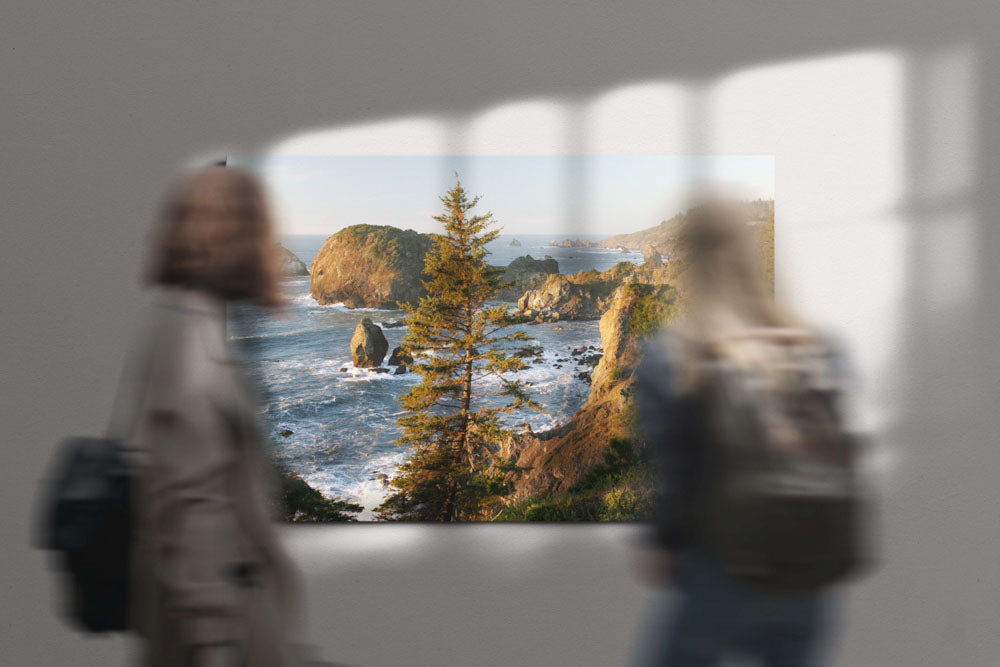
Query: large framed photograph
(460, 333)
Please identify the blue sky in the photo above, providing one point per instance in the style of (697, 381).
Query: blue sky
(599, 194)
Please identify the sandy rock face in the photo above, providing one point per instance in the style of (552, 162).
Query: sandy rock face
(370, 266)
(368, 344)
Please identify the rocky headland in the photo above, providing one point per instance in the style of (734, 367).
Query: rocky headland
(664, 235)
(563, 470)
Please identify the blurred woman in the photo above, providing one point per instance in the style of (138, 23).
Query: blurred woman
(212, 585)
(731, 315)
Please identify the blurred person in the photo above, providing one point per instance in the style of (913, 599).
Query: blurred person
(759, 512)
(211, 583)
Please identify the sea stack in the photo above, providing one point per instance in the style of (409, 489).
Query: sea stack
(368, 344)
(370, 266)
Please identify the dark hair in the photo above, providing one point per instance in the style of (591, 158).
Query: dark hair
(216, 235)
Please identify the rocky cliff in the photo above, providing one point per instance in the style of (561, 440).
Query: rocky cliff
(370, 266)
(556, 461)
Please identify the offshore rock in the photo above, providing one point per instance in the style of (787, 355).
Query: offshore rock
(370, 266)
(399, 357)
(368, 344)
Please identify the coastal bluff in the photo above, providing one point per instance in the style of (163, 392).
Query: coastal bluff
(370, 266)
(554, 462)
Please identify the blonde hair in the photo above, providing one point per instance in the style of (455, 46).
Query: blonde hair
(731, 311)
(216, 235)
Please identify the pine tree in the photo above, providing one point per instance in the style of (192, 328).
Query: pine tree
(465, 354)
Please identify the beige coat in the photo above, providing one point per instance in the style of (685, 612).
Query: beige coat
(208, 569)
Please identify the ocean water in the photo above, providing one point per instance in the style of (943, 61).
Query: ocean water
(342, 418)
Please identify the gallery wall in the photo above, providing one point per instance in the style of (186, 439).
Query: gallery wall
(879, 118)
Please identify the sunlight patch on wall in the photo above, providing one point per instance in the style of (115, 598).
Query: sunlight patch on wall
(836, 128)
(647, 118)
(530, 127)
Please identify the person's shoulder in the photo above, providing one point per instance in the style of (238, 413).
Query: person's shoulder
(186, 337)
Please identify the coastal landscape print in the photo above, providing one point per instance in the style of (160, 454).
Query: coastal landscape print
(459, 334)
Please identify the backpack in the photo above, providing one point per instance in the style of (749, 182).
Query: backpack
(88, 505)
(782, 504)
(87, 523)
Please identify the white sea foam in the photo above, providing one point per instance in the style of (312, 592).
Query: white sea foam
(358, 482)
(283, 334)
(343, 307)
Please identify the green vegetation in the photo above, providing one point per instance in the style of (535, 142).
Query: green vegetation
(621, 488)
(620, 373)
(651, 309)
(299, 502)
(602, 284)
(453, 472)
(390, 244)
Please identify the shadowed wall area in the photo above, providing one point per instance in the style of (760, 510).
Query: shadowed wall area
(881, 120)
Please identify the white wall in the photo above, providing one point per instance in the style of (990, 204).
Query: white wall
(878, 115)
